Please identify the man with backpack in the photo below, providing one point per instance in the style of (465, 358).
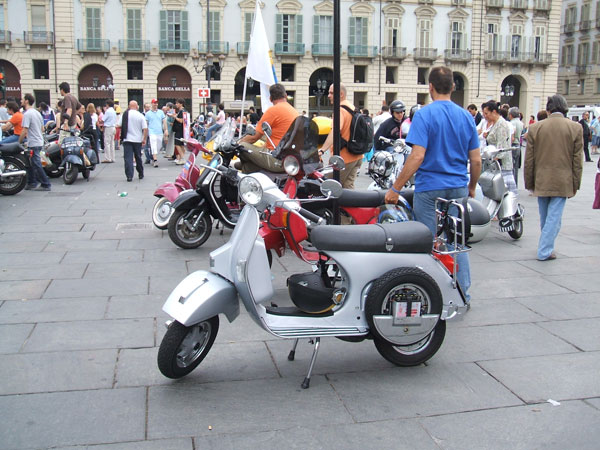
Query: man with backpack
(357, 136)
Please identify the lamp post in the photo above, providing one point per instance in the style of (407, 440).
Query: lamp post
(209, 67)
(319, 92)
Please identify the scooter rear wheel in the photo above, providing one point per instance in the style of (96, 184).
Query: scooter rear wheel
(161, 213)
(70, 174)
(183, 348)
(14, 184)
(181, 234)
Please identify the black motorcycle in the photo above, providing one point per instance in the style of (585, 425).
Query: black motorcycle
(13, 164)
(51, 157)
(77, 156)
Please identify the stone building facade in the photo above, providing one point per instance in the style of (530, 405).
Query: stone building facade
(141, 49)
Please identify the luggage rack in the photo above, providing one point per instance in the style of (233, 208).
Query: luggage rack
(451, 232)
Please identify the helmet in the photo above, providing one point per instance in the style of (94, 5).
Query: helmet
(397, 106)
(382, 164)
(393, 214)
(413, 110)
(479, 219)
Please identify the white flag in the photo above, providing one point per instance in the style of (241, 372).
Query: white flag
(260, 67)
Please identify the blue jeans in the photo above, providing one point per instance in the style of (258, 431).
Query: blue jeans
(424, 210)
(11, 138)
(213, 128)
(551, 210)
(35, 171)
(133, 150)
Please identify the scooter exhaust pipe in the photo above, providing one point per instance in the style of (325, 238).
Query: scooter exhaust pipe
(16, 173)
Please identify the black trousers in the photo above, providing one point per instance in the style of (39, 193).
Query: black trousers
(133, 150)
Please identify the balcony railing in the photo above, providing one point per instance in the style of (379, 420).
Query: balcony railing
(134, 46)
(429, 54)
(585, 25)
(518, 57)
(494, 3)
(215, 47)
(289, 48)
(322, 49)
(362, 51)
(452, 54)
(569, 28)
(38, 38)
(541, 5)
(494, 56)
(168, 46)
(543, 59)
(425, 2)
(5, 38)
(518, 4)
(581, 69)
(242, 48)
(93, 45)
(458, 2)
(393, 52)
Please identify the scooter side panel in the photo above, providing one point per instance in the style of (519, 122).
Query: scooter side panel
(508, 208)
(168, 190)
(200, 296)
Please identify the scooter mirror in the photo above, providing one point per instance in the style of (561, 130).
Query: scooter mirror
(337, 162)
(332, 188)
(267, 129)
(250, 130)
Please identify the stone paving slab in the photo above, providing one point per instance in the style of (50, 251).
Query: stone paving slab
(594, 402)
(143, 244)
(152, 233)
(25, 259)
(28, 373)
(103, 256)
(578, 282)
(500, 342)
(19, 246)
(514, 287)
(559, 377)
(88, 246)
(565, 266)
(405, 392)
(53, 310)
(241, 407)
(583, 333)
(561, 307)
(48, 420)
(48, 228)
(36, 271)
(572, 425)
(12, 337)
(502, 269)
(496, 312)
(225, 362)
(173, 253)
(164, 285)
(174, 270)
(89, 335)
(162, 444)
(18, 290)
(136, 306)
(16, 235)
(97, 287)
(384, 435)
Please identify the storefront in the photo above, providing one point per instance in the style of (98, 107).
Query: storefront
(175, 82)
(95, 85)
(12, 80)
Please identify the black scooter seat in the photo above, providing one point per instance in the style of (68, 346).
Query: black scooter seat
(11, 148)
(400, 237)
(361, 199)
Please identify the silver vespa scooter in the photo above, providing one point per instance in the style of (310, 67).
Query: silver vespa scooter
(388, 285)
(497, 199)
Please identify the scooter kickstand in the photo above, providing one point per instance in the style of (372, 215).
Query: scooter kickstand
(292, 353)
(306, 382)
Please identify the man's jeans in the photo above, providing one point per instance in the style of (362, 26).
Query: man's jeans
(551, 210)
(11, 138)
(35, 171)
(424, 209)
(131, 150)
(212, 129)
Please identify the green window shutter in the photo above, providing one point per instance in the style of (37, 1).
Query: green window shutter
(299, 28)
(249, 18)
(316, 20)
(279, 27)
(352, 31)
(184, 25)
(163, 25)
(365, 31)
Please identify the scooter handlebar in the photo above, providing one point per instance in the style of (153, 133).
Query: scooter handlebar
(311, 216)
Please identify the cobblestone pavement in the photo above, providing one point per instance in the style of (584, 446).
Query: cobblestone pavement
(83, 278)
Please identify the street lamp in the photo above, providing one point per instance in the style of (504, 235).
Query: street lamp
(319, 92)
(209, 67)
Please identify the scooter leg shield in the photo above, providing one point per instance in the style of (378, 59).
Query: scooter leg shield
(509, 207)
(200, 296)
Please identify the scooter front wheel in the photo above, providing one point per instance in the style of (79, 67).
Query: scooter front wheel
(183, 235)
(183, 348)
(161, 213)
(518, 231)
(70, 174)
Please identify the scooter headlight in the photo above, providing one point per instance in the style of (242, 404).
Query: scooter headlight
(291, 165)
(250, 190)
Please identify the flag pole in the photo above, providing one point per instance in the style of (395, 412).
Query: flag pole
(243, 103)
(336, 99)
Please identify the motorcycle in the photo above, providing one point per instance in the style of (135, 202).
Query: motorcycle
(384, 166)
(167, 193)
(496, 198)
(51, 157)
(77, 156)
(388, 287)
(13, 165)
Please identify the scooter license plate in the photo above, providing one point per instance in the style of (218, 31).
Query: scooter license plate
(403, 310)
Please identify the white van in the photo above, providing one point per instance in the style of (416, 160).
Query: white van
(576, 112)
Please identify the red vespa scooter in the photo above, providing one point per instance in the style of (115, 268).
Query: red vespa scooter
(168, 192)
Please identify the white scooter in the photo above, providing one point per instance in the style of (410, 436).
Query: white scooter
(388, 284)
(385, 166)
(497, 199)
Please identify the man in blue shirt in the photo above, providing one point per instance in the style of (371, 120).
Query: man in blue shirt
(443, 139)
(157, 129)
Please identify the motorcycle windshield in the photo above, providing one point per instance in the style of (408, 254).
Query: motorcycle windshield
(224, 137)
(302, 141)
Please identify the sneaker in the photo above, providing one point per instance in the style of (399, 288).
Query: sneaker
(141, 177)
(129, 179)
(155, 163)
(180, 162)
(43, 188)
(147, 161)
(30, 187)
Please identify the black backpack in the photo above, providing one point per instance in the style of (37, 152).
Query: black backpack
(361, 133)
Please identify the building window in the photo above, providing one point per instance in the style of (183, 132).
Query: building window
(516, 40)
(174, 29)
(288, 72)
(38, 18)
(93, 28)
(583, 54)
(291, 97)
(585, 12)
(289, 30)
(567, 87)
(597, 85)
(571, 16)
(422, 75)
(360, 74)
(41, 69)
(422, 99)
(215, 26)
(135, 70)
(457, 37)
(424, 40)
(41, 96)
(581, 84)
(137, 95)
(392, 32)
(323, 33)
(360, 100)
(390, 97)
(248, 21)
(539, 41)
(134, 29)
(359, 31)
(391, 74)
(493, 38)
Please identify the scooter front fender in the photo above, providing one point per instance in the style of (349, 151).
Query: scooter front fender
(200, 296)
(76, 160)
(187, 200)
(168, 190)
